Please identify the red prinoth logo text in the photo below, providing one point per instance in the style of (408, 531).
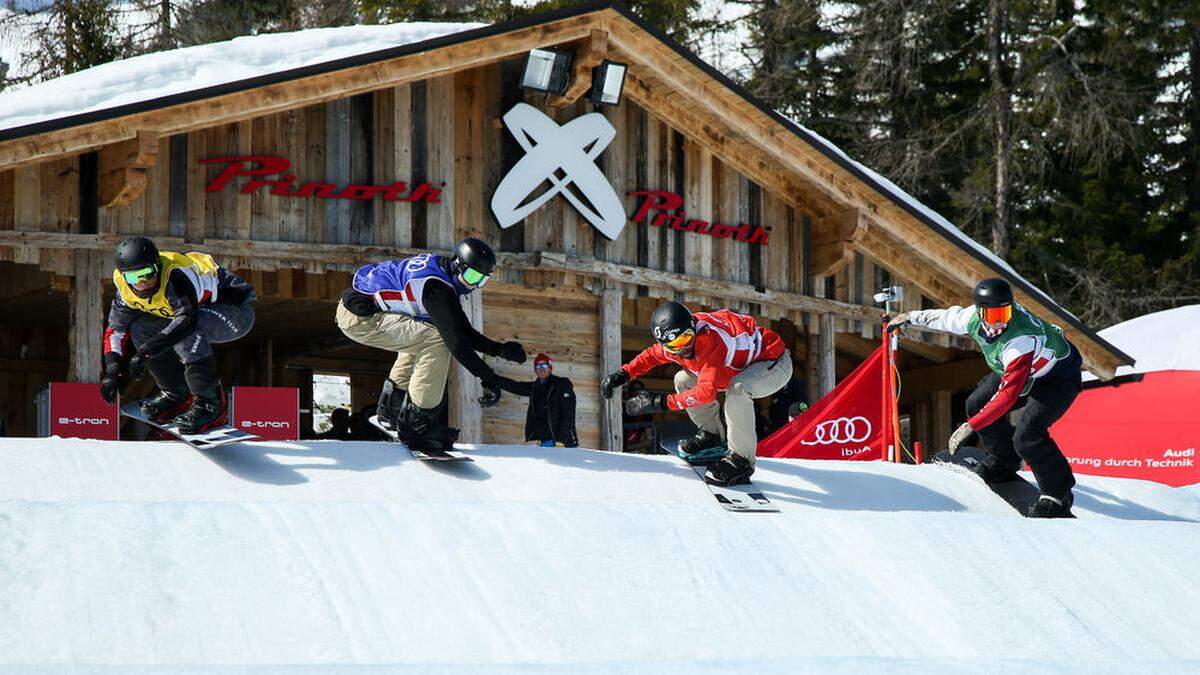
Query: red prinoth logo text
(668, 212)
(267, 171)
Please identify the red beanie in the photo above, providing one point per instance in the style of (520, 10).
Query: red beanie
(542, 358)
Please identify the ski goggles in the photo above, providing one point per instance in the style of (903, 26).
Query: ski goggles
(995, 314)
(541, 366)
(474, 277)
(135, 277)
(680, 342)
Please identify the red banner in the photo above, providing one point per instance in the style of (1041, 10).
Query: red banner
(845, 424)
(1146, 429)
(78, 411)
(271, 413)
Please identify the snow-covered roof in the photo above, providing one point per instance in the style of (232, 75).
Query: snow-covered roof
(153, 76)
(1163, 340)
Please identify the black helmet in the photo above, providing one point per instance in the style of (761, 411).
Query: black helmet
(670, 320)
(993, 292)
(135, 253)
(476, 254)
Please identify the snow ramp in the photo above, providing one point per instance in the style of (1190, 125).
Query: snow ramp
(328, 556)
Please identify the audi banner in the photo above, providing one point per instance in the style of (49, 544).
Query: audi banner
(845, 424)
(78, 411)
(271, 413)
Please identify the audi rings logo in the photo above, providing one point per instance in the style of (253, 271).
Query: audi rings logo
(565, 157)
(842, 430)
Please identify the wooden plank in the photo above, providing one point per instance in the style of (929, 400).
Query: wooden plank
(464, 390)
(7, 201)
(196, 180)
(27, 203)
(827, 354)
(470, 128)
(85, 334)
(384, 169)
(402, 167)
(266, 208)
(314, 165)
(337, 170)
(833, 240)
(654, 168)
(362, 149)
(611, 420)
(942, 422)
(439, 134)
(588, 55)
(157, 214)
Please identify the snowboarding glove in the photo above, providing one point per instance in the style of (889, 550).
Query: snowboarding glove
(137, 366)
(110, 382)
(646, 403)
(612, 381)
(900, 320)
(960, 434)
(491, 391)
(512, 351)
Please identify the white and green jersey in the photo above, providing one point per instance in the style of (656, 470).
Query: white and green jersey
(1025, 336)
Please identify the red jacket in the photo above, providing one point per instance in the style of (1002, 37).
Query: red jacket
(725, 344)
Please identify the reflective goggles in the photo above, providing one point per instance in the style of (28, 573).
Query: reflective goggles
(680, 342)
(541, 366)
(135, 277)
(474, 277)
(995, 314)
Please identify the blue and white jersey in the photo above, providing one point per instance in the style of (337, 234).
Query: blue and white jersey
(398, 285)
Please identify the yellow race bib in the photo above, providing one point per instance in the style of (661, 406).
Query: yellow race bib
(200, 268)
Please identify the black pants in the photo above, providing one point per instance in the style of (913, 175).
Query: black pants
(1030, 439)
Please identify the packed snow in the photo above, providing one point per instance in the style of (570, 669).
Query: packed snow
(349, 555)
(151, 76)
(1158, 341)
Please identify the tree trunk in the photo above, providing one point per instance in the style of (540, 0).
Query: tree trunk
(1193, 141)
(1002, 121)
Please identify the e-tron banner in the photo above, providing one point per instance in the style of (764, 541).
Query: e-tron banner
(78, 411)
(842, 425)
(271, 413)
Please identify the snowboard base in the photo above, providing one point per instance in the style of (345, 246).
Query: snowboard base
(423, 455)
(1018, 493)
(207, 440)
(745, 497)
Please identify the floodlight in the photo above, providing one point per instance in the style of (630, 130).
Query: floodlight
(608, 80)
(547, 70)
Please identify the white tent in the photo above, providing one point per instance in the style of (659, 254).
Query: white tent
(1165, 340)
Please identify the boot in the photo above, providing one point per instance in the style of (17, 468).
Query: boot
(993, 472)
(423, 430)
(703, 447)
(391, 404)
(732, 470)
(1049, 506)
(208, 409)
(172, 395)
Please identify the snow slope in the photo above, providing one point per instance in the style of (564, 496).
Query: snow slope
(344, 556)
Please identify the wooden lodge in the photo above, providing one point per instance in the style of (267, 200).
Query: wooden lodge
(430, 113)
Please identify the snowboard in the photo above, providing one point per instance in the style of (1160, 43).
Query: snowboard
(1018, 493)
(733, 498)
(423, 455)
(207, 440)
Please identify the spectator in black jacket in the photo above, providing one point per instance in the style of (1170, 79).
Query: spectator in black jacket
(550, 421)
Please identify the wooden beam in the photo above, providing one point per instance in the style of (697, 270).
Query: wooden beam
(589, 55)
(833, 240)
(122, 169)
(87, 316)
(827, 355)
(943, 417)
(306, 91)
(611, 420)
(464, 390)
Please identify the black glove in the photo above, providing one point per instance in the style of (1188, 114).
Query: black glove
(137, 366)
(110, 382)
(512, 351)
(612, 381)
(646, 403)
(491, 391)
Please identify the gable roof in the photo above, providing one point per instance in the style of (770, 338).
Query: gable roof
(852, 178)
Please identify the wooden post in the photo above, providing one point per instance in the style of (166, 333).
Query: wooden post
(86, 333)
(611, 422)
(942, 419)
(463, 388)
(827, 354)
(812, 361)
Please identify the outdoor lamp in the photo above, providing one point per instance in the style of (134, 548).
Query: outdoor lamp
(608, 79)
(547, 70)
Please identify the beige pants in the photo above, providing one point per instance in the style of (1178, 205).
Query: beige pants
(760, 379)
(422, 358)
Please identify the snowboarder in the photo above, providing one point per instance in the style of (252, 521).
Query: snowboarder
(172, 307)
(412, 307)
(550, 420)
(1035, 373)
(719, 351)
